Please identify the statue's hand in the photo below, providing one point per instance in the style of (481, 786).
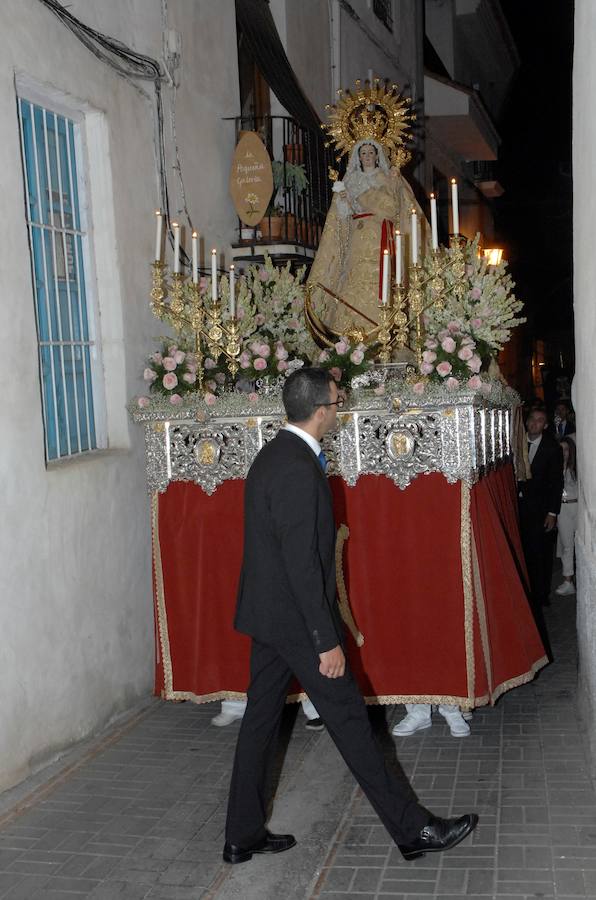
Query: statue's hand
(394, 172)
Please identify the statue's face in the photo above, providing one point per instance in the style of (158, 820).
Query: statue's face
(368, 156)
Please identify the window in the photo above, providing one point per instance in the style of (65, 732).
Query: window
(383, 10)
(58, 242)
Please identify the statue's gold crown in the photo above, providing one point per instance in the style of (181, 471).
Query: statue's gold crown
(376, 111)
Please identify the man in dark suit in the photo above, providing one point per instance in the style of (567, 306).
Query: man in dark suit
(539, 506)
(287, 604)
(563, 420)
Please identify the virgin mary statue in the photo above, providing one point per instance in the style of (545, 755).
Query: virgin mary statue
(368, 206)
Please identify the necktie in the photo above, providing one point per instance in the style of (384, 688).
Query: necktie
(323, 461)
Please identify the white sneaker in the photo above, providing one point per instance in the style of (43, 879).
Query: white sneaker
(418, 717)
(467, 715)
(224, 718)
(457, 724)
(565, 589)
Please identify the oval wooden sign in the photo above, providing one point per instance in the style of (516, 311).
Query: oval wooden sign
(251, 178)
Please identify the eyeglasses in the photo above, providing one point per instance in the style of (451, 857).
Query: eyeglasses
(339, 403)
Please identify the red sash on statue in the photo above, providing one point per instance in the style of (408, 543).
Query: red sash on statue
(387, 243)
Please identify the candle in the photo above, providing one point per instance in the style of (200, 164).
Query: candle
(232, 291)
(398, 255)
(454, 206)
(214, 275)
(385, 277)
(195, 258)
(433, 222)
(159, 221)
(176, 229)
(414, 237)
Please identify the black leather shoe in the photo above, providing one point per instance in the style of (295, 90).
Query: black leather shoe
(439, 834)
(314, 724)
(271, 843)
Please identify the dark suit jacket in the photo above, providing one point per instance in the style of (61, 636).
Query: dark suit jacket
(287, 583)
(542, 493)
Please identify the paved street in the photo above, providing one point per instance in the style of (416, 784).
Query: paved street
(139, 813)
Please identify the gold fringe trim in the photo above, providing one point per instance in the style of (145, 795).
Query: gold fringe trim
(466, 570)
(162, 618)
(344, 603)
(481, 610)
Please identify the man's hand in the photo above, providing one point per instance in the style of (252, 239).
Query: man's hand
(333, 663)
(550, 522)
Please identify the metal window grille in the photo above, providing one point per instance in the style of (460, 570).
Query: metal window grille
(383, 10)
(58, 243)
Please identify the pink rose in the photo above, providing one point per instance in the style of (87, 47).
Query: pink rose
(443, 334)
(168, 363)
(209, 398)
(451, 383)
(169, 381)
(341, 347)
(323, 356)
(254, 347)
(475, 293)
(209, 363)
(426, 368)
(149, 375)
(281, 352)
(475, 363)
(444, 368)
(179, 356)
(189, 377)
(475, 382)
(264, 351)
(157, 357)
(260, 364)
(429, 356)
(244, 360)
(252, 397)
(431, 343)
(468, 341)
(356, 356)
(476, 322)
(143, 402)
(263, 274)
(448, 345)
(465, 353)
(176, 399)
(282, 365)
(379, 390)
(419, 387)
(259, 319)
(453, 326)
(220, 378)
(172, 349)
(336, 372)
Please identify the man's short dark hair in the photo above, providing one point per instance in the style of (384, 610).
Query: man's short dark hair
(304, 390)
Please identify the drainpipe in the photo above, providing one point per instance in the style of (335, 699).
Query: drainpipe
(335, 46)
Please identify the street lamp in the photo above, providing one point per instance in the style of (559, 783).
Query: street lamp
(493, 255)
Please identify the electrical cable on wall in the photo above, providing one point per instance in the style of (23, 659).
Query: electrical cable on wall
(131, 65)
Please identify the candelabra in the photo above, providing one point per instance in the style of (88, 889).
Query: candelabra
(188, 310)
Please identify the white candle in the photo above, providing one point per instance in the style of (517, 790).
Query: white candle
(454, 206)
(214, 275)
(385, 289)
(433, 222)
(414, 237)
(232, 291)
(398, 256)
(195, 258)
(159, 220)
(176, 229)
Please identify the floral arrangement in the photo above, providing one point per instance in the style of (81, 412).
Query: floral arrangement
(345, 361)
(171, 371)
(453, 357)
(484, 310)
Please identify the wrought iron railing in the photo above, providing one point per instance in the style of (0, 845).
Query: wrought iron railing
(301, 212)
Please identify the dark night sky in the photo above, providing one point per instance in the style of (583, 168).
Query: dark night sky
(534, 216)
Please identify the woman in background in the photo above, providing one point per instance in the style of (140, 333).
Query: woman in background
(567, 521)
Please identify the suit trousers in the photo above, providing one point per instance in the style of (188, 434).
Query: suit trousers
(342, 709)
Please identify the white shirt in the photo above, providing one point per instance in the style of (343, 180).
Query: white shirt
(306, 437)
(534, 444)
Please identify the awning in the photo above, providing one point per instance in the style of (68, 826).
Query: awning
(458, 119)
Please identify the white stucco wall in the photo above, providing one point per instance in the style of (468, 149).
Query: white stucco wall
(75, 580)
(584, 144)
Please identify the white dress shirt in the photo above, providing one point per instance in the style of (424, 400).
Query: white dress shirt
(308, 438)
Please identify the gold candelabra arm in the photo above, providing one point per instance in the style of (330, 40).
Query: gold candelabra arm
(177, 293)
(416, 303)
(157, 288)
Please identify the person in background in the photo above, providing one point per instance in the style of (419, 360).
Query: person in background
(567, 522)
(564, 421)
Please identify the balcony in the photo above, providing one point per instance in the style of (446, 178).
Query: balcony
(299, 204)
(484, 175)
